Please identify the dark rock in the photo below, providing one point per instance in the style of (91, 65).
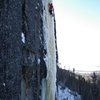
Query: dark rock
(20, 70)
(18, 16)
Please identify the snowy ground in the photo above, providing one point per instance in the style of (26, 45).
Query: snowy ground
(67, 94)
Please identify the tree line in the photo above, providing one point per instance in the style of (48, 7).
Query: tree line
(88, 89)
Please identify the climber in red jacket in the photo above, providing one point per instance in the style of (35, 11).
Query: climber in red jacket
(50, 6)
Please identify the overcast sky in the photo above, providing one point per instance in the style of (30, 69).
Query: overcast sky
(78, 33)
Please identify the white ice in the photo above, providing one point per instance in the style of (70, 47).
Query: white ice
(23, 37)
(48, 93)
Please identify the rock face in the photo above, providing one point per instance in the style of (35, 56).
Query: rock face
(23, 49)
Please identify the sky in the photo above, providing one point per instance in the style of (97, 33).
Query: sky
(78, 33)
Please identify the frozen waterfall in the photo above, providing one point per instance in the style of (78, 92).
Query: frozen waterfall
(49, 84)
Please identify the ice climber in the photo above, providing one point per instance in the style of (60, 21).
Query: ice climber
(50, 6)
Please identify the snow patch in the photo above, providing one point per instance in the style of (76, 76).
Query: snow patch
(38, 4)
(23, 37)
(38, 61)
(4, 84)
(66, 94)
(36, 7)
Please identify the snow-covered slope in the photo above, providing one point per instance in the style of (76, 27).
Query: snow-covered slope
(49, 84)
(66, 94)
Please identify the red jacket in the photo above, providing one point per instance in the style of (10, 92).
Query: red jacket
(50, 6)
